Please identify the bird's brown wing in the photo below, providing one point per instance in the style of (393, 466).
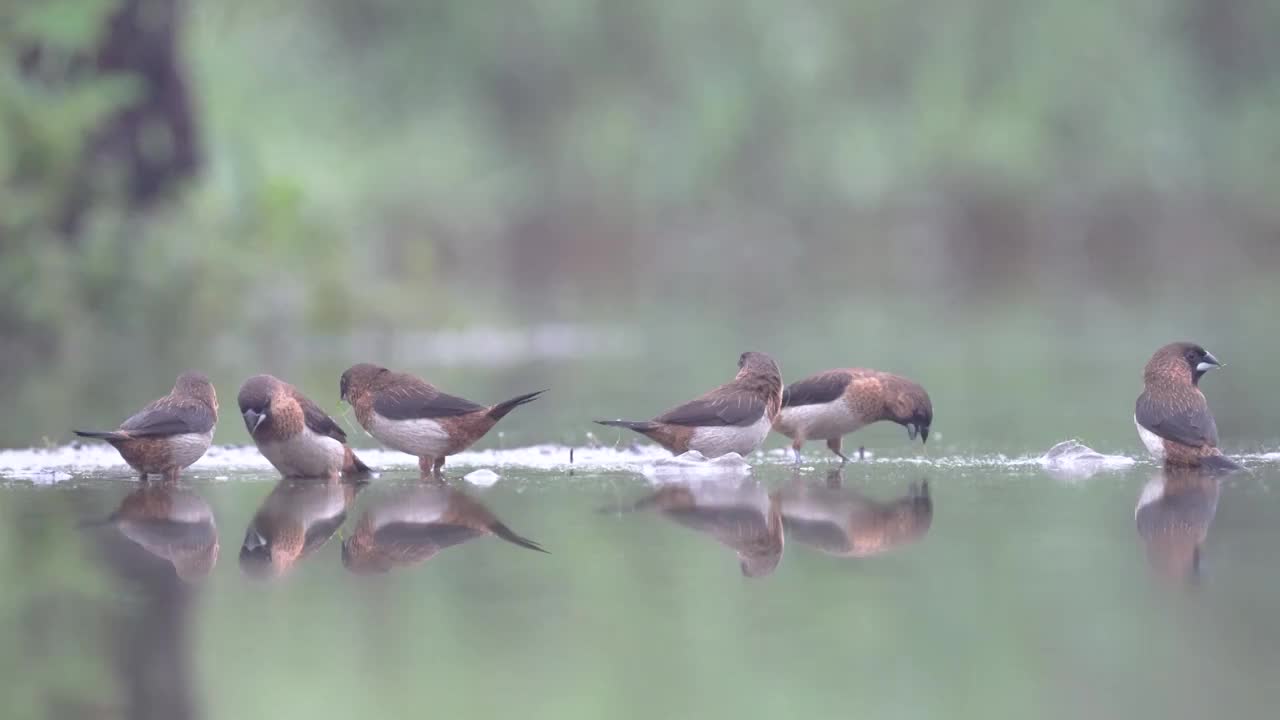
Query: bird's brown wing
(817, 389)
(1182, 417)
(318, 421)
(726, 405)
(413, 399)
(169, 416)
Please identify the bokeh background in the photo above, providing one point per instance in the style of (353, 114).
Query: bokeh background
(1013, 202)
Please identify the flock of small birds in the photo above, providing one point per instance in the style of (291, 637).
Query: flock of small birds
(408, 414)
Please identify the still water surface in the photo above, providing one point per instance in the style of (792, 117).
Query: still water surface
(944, 588)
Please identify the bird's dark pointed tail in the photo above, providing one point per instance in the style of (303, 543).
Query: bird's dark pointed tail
(1220, 463)
(100, 435)
(637, 425)
(510, 536)
(354, 467)
(499, 411)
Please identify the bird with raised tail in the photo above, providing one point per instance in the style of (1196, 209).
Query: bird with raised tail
(1172, 415)
(832, 404)
(170, 433)
(409, 414)
(293, 433)
(735, 417)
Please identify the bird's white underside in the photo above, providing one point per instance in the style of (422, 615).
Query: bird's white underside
(416, 437)
(307, 454)
(717, 441)
(187, 448)
(1154, 443)
(820, 421)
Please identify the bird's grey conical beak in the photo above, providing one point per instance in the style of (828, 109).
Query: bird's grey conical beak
(252, 419)
(253, 539)
(1208, 363)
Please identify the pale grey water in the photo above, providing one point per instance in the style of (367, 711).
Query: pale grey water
(1010, 592)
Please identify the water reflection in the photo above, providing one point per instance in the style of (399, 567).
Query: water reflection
(407, 525)
(842, 521)
(160, 539)
(295, 520)
(1173, 515)
(739, 513)
(171, 523)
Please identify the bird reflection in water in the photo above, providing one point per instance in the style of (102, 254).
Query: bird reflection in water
(1173, 516)
(408, 525)
(842, 521)
(171, 523)
(735, 512)
(293, 522)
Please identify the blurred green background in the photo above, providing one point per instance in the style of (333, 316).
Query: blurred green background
(1013, 202)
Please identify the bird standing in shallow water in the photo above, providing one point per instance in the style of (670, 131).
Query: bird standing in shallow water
(1172, 415)
(734, 417)
(293, 433)
(169, 434)
(832, 404)
(411, 415)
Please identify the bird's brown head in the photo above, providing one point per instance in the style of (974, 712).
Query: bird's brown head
(1180, 361)
(196, 385)
(255, 398)
(910, 407)
(759, 365)
(358, 380)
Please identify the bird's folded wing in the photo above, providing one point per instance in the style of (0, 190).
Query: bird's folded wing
(170, 417)
(721, 407)
(1184, 419)
(420, 402)
(816, 390)
(319, 422)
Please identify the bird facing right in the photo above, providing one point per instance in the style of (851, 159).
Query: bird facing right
(170, 433)
(832, 404)
(1172, 415)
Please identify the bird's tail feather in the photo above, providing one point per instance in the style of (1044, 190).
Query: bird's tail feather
(1220, 463)
(101, 435)
(510, 536)
(499, 411)
(637, 425)
(353, 466)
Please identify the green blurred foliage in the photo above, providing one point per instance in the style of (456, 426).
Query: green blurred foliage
(753, 171)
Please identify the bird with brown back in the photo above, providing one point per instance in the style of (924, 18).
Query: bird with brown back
(1172, 415)
(293, 433)
(735, 417)
(832, 404)
(170, 433)
(409, 414)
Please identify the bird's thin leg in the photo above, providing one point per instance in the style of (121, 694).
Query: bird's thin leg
(834, 444)
(171, 474)
(439, 467)
(795, 448)
(425, 463)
